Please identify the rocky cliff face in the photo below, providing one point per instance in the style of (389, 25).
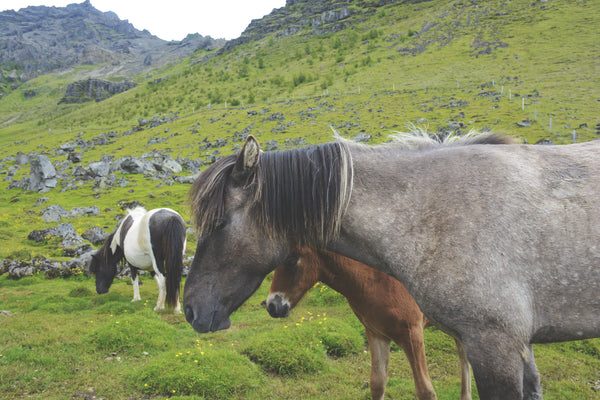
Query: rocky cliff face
(94, 89)
(38, 40)
(321, 16)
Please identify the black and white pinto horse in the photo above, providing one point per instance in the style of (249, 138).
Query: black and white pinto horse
(153, 241)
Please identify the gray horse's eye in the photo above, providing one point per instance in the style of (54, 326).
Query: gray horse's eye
(220, 224)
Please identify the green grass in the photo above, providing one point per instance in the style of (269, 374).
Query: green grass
(63, 340)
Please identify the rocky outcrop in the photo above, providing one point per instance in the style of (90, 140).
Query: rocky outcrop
(321, 16)
(295, 16)
(94, 89)
(39, 39)
(17, 269)
(55, 213)
(66, 232)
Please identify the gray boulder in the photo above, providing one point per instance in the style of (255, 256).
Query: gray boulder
(54, 213)
(87, 211)
(74, 157)
(66, 232)
(525, 123)
(78, 251)
(98, 169)
(171, 166)
(68, 147)
(189, 179)
(50, 268)
(136, 166)
(21, 159)
(43, 175)
(18, 268)
(95, 235)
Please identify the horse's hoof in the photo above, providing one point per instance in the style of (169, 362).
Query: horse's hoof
(134, 300)
(177, 312)
(157, 308)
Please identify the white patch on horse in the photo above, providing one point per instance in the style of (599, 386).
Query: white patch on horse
(136, 289)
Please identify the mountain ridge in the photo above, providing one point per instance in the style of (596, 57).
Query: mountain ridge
(38, 39)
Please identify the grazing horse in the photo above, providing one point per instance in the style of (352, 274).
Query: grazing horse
(149, 240)
(499, 244)
(381, 303)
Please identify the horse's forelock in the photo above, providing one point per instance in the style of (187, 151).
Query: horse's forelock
(207, 195)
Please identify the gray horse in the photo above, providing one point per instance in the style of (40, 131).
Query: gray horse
(498, 244)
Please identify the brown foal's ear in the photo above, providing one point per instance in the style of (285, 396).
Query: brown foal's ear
(247, 159)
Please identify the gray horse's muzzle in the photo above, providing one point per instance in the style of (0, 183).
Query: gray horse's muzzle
(206, 322)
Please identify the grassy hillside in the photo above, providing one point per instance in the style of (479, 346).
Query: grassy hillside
(443, 65)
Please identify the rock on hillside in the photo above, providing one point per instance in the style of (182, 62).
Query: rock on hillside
(94, 89)
(38, 40)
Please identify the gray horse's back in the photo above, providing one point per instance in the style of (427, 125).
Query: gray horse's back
(543, 234)
(511, 230)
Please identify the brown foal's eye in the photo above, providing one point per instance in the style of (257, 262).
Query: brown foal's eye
(291, 260)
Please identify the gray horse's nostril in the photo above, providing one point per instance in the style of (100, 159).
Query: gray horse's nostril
(189, 314)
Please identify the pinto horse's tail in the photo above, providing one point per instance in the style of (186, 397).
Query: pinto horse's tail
(173, 246)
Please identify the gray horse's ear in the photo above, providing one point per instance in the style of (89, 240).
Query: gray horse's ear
(247, 159)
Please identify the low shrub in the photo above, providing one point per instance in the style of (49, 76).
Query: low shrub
(132, 334)
(80, 291)
(289, 351)
(60, 304)
(212, 373)
(340, 339)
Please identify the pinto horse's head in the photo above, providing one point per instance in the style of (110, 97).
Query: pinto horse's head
(248, 210)
(104, 265)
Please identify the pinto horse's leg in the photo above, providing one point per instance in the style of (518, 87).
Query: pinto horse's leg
(162, 291)
(465, 371)
(532, 388)
(497, 364)
(177, 309)
(414, 349)
(136, 283)
(380, 355)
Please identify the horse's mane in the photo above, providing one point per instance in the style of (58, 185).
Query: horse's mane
(299, 194)
(207, 195)
(419, 138)
(107, 255)
(304, 191)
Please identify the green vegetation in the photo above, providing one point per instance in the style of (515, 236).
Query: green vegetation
(439, 64)
(62, 340)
